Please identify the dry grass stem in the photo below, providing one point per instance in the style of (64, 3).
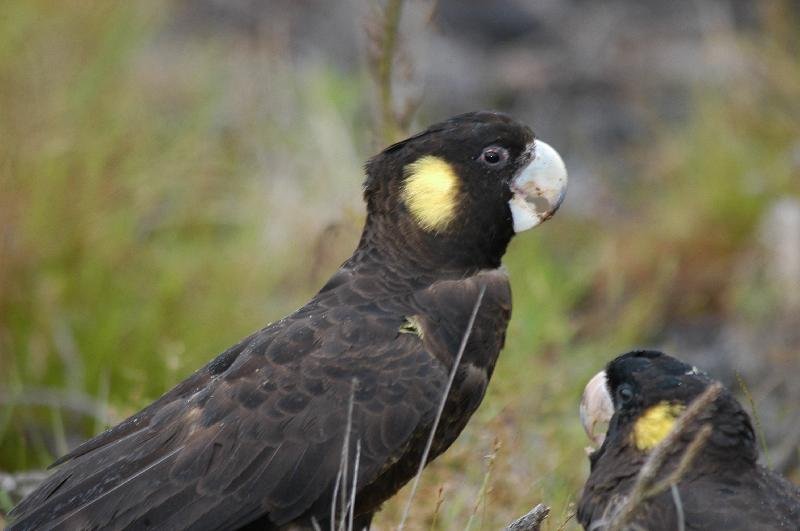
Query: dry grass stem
(676, 499)
(383, 34)
(438, 506)
(335, 495)
(352, 502)
(568, 519)
(341, 476)
(756, 419)
(390, 30)
(486, 487)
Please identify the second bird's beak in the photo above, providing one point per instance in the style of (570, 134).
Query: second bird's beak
(539, 188)
(596, 409)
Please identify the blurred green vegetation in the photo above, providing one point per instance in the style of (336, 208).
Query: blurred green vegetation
(150, 218)
(128, 195)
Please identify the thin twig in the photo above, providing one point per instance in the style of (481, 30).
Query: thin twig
(385, 58)
(335, 494)
(390, 29)
(438, 506)
(352, 502)
(341, 476)
(676, 499)
(531, 521)
(642, 489)
(442, 403)
(756, 419)
(483, 493)
(567, 520)
(488, 490)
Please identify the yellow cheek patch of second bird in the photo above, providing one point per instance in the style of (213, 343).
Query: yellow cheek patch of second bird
(430, 192)
(654, 424)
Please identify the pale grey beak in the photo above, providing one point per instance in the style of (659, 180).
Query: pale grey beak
(539, 188)
(596, 408)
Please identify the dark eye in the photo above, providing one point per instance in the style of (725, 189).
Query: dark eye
(625, 393)
(494, 155)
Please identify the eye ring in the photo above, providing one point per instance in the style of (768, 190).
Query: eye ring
(625, 393)
(494, 155)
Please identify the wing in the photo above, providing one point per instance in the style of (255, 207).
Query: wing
(259, 431)
(746, 498)
(445, 311)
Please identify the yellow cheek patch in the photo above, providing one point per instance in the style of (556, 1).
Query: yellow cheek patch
(654, 424)
(430, 192)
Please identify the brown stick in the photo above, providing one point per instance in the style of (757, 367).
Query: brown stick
(531, 521)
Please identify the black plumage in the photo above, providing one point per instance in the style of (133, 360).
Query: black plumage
(724, 488)
(255, 438)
